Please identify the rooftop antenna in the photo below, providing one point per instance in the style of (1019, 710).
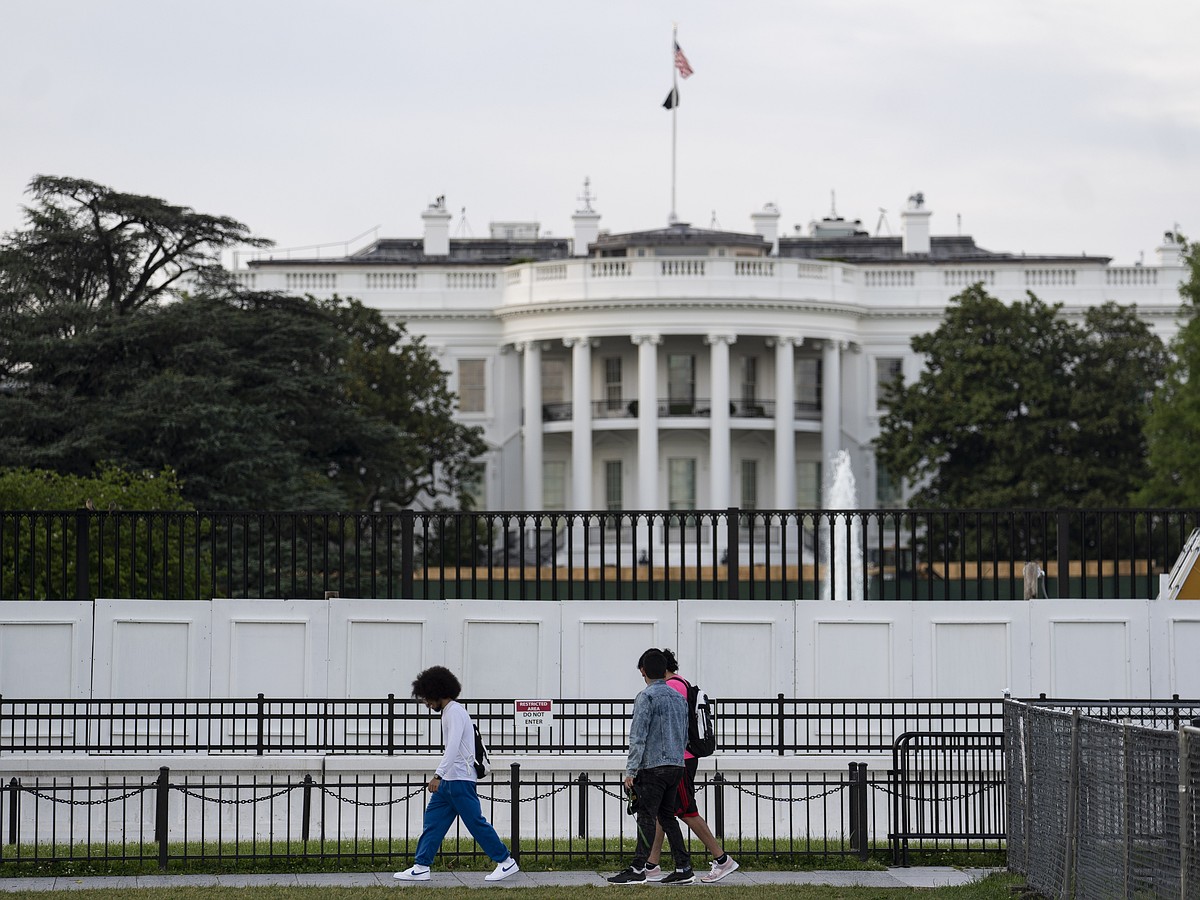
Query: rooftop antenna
(958, 217)
(833, 205)
(882, 223)
(714, 224)
(463, 225)
(587, 196)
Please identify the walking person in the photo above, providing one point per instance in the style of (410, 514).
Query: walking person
(654, 768)
(685, 808)
(452, 791)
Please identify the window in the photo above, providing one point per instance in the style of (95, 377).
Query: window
(681, 483)
(554, 484)
(474, 486)
(554, 377)
(808, 484)
(808, 384)
(472, 386)
(889, 492)
(614, 488)
(749, 484)
(681, 384)
(750, 378)
(887, 370)
(612, 382)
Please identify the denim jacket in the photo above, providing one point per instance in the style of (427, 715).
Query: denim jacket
(658, 733)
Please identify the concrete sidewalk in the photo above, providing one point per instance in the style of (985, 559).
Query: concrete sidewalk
(916, 877)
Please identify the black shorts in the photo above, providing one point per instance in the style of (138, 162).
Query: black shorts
(685, 798)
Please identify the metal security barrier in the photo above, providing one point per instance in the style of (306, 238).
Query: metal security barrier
(1101, 809)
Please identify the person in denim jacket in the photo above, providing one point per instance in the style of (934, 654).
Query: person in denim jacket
(657, 738)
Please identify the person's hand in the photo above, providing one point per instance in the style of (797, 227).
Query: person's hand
(433, 784)
(628, 782)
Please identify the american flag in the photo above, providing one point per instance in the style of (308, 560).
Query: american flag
(681, 63)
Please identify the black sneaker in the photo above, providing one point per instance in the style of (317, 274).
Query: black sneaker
(680, 876)
(629, 876)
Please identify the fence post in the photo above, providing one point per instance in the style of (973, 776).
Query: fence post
(779, 722)
(407, 529)
(259, 746)
(1064, 556)
(514, 839)
(1072, 807)
(718, 782)
(83, 575)
(160, 815)
(391, 725)
(306, 814)
(1185, 815)
(733, 566)
(859, 842)
(1127, 817)
(583, 809)
(14, 810)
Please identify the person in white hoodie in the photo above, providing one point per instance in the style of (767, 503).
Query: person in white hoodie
(452, 787)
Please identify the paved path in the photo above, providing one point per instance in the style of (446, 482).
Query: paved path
(915, 877)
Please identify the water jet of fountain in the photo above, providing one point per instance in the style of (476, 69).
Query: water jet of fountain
(841, 544)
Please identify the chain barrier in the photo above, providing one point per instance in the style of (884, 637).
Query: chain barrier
(222, 800)
(542, 796)
(884, 789)
(36, 793)
(807, 799)
(368, 803)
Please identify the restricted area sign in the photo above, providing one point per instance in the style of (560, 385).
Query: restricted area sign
(534, 713)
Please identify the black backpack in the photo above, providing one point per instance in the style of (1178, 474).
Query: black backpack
(702, 732)
(483, 765)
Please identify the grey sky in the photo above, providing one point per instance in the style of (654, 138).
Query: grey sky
(1059, 126)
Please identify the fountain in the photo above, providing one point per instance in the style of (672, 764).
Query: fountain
(841, 545)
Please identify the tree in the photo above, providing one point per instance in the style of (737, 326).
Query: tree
(256, 399)
(1173, 426)
(1017, 407)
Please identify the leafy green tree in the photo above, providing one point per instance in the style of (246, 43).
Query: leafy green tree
(1173, 427)
(257, 400)
(1018, 407)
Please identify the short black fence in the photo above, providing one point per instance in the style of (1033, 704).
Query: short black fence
(652, 555)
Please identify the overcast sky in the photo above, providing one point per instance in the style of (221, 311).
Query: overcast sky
(1052, 126)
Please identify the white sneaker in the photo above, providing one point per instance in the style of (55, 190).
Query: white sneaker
(503, 870)
(654, 873)
(413, 873)
(717, 871)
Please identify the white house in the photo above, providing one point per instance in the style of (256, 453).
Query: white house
(683, 367)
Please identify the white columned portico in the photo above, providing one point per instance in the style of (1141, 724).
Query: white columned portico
(720, 474)
(785, 421)
(581, 421)
(831, 404)
(647, 430)
(531, 426)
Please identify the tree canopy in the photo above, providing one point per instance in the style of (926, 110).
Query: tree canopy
(1173, 426)
(256, 399)
(1019, 407)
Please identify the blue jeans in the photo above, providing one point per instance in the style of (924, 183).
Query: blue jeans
(457, 798)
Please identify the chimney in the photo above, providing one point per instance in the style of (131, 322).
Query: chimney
(766, 226)
(587, 221)
(1170, 254)
(437, 228)
(914, 225)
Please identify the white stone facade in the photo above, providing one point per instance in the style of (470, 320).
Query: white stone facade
(689, 368)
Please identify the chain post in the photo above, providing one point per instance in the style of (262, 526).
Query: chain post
(259, 746)
(858, 810)
(514, 849)
(306, 814)
(14, 810)
(162, 794)
(583, 809)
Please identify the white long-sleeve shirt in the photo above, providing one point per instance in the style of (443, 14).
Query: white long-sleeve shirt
(458, 762)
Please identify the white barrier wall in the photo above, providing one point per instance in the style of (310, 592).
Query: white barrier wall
(336, 648)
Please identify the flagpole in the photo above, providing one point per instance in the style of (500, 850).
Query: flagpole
(671, 220)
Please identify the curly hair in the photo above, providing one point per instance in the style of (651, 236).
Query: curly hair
(436, 683)
(672, 662)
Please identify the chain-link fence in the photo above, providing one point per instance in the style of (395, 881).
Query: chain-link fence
(1101, 809)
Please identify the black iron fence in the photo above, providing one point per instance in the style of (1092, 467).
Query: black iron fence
(655, 555)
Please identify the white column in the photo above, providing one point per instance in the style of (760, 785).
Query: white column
(647, 479)
(531, 428)
(785, 422)
(720, 473)
(581, 422)
(831, 405)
